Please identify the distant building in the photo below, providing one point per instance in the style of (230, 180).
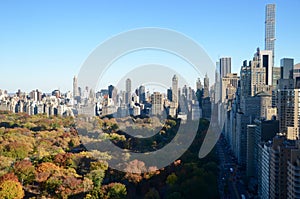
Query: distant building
(184, 91)
(206, 108)
(225, 66)
(245, 79)
(142, 94)
(258, 75)
(157, 103)
(75, 87)
(286, 68)
(128, 91)
(266, 61)
(289, 108)
(217, 85)
(206, 87)
(229, 86)
(56, 93)
(265, 130)
(113, 93)
(36, 95)
(270, 29)
(276, 75)
(199, 84)
(169, 94)
(122, 111)
(296, 72)
(175, 95)
(172, 110)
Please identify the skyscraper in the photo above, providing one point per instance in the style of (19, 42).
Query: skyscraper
(229, 86)
(281, 174)
(266, 61)
(185, 91)
(198, 84)
(142, 94)
(270, 29)
(276, 75)
(128, 91)
(157, 103)
(75, 87)
(288, 112)
(175, 90)
(218, 81)
(225, 66)
(112, 93)
(257, 74)
(206, 87)
(286, 68)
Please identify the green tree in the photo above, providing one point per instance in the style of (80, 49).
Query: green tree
(17, 150)
(171, 179)
(97, 177)
(114, 191)
(10, 189)
(52, 184)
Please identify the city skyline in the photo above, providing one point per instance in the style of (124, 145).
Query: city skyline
(159, 79)
(51, 51)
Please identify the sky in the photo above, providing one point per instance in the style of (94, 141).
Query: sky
(43, 44)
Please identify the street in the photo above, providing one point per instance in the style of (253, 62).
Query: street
(229, 181)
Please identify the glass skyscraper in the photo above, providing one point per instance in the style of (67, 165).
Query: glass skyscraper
(270, 28)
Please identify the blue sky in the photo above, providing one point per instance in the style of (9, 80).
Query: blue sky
(44, 43)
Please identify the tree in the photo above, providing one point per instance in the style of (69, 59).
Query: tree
(5, 164)
(8, 176)
(17, 149)
(10, 189)
(25, 171)
(152, 194)
(52, 184)
(64, 159)
(100, 164)
(134, 170)
(97, 177)
(114, 191)
(45, 170)
(171, 179)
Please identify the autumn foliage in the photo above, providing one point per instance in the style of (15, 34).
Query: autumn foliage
(43, 157)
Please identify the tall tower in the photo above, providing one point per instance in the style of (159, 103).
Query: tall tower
(175, 90)
(270, 28)
(206, 87)
(198, 84)
(142, 94)
(112, 93)
(128, 91)
(217, 83)
(225, 66)
(75, 87)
